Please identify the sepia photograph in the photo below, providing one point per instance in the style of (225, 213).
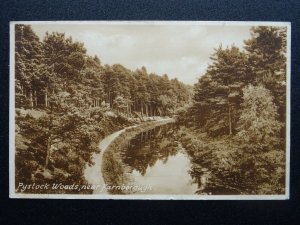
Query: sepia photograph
(149, 110)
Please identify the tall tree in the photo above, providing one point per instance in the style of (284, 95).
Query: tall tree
(266, 49)
(218, 93)
(27, 59)
(92, 81)
(65, 56)
(107, 79)
(267, 58)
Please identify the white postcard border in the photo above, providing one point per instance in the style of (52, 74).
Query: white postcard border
(13, 194)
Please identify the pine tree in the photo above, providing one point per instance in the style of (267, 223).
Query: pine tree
(65, 56)
(218, 94)
(267, 59)
(27, 60)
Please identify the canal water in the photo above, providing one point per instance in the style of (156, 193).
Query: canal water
(157, 161)
(153, 162)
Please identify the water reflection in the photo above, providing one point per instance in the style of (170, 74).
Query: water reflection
(156, 159)
(146, 148)
(206, 185)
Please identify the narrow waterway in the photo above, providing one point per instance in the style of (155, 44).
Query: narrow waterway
(153, 162)
(159, 163)
(93, 173)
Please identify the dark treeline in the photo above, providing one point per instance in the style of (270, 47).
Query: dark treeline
(67, 100)
(238, 114)
(58, 66)
(219, 94)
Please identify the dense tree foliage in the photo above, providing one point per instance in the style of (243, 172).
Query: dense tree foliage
(267, 60)
(218, 95)
(239, 111)
(259, 125)
(66, 100)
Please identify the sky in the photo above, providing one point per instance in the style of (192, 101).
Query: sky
(178, 50)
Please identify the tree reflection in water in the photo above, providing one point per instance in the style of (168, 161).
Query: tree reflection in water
(148, 147)
(208, 184)
(156, 157)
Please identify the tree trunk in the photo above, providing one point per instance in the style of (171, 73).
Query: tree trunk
(147, 113)
(46, 97)
(111, 100)
(127, 110)
(230, 119)
(48, 152)
(146, 134)
(134, 106)
(142, 109)
(31, 98)
(108, 99)
(35, 98)
(22, 89)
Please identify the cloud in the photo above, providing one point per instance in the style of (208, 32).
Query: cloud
(178, 50)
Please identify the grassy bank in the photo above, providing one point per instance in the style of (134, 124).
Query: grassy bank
(115, 173)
